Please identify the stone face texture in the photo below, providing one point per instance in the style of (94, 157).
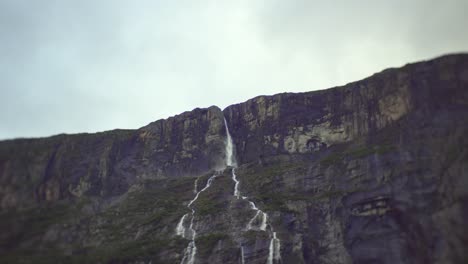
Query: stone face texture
(304, 122)
(375, 171)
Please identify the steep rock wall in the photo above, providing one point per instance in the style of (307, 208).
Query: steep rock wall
(306, 122)
(360, 173)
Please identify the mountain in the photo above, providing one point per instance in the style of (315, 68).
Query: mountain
(375, 171)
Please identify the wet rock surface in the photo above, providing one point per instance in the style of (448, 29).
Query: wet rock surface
(372, 172)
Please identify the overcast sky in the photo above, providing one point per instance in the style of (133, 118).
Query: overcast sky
(85, 66)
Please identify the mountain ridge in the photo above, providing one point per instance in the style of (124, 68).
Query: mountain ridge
(455, 54)
(374, 171)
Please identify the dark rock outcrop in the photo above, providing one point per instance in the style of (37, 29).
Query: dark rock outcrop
(375, 171)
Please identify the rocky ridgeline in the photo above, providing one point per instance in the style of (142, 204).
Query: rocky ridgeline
(371, 172)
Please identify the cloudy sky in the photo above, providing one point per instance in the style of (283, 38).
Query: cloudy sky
(86, 66)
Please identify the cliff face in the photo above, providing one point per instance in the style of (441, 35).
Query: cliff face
(306, 122)
(372, 172)
(107, 164)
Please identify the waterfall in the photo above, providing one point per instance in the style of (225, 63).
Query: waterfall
(236, 185)
(195, 187)
(180, 230)
(263, 223)
(274, 250)
(274, 254)
(191, 250)
(208, 184)
(260, 213)
(242, 255)
(230, 159)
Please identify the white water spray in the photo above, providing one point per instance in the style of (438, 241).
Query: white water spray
(180, 230)
(191, 250)
(274, 250)
(230, 159)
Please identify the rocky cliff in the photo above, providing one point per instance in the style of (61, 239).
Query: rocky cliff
(375, 171)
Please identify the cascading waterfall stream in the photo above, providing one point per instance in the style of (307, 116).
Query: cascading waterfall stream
(231, 160)
(191, 250)
(180, 230)
(195, 187)
(274, 254)
(260, 213)
(274, 250)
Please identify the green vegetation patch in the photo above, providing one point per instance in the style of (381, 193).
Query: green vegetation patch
(263, 182)
(213, 200)
(140, 227)
(205, 205)
(332, 159)
(252, 235)
(356, 153)
(144, 249)
(260, 178)
(208, 242)
(274, 202)
(32, 223)
(277, 201)
(123, 252)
